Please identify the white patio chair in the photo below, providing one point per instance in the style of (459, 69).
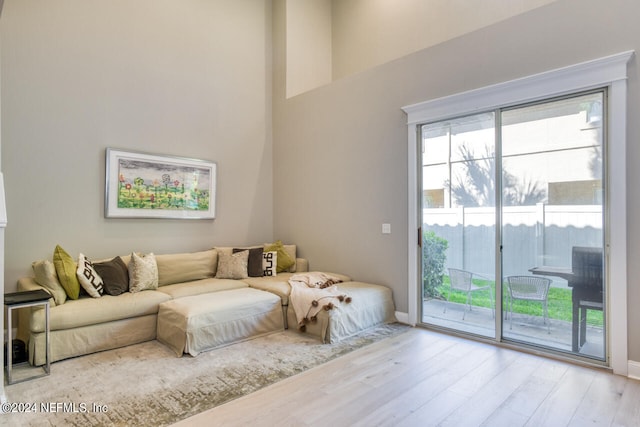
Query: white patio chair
(462, 280)
(529, 288)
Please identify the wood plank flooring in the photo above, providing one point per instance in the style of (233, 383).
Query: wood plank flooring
(424, 378)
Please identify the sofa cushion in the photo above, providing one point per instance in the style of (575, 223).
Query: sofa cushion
(89, 278)
(205, 322)
(66, 271)
(186, 267)
(88, 311)
(125, 258)
(233, 266)
(143, 272)
(46, 277)
(230, 249)
(203, 286)
(278, 285)
(114, 276)
(254, 264)
(302, 265)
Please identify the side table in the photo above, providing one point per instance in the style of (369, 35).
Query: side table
(17, 300)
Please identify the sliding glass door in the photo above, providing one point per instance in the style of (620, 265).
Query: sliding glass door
(459, 224)
(553, 224)
(513, 223)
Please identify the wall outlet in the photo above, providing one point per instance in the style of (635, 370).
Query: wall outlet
(386, 228)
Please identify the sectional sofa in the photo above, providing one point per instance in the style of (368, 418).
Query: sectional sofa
(227, 286)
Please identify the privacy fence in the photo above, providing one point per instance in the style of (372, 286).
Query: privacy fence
(532, 235)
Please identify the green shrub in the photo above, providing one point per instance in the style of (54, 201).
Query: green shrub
(433, 258)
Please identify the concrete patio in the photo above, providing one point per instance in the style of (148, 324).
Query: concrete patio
(529, 329)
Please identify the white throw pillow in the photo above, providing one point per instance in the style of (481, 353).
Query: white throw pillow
(269, 263)
(143, 272)
(89, 279)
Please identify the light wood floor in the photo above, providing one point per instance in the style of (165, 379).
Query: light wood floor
(424, 378)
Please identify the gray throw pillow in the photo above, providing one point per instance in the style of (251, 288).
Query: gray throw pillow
(114, 274)
(254, 265)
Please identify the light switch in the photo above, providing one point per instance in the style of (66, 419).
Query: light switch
(386, 228)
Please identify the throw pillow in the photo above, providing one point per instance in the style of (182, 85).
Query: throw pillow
(66, 271)
(291, 250)
(254, 265)
(46, 277)
(232, 266)
(143, 272)
(89, 279)
(114, 275)
(285, 261)
(269, 263)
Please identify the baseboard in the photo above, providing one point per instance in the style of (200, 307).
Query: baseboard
(403, 318)
(633, 370)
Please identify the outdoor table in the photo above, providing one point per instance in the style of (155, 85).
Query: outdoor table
(584, 296)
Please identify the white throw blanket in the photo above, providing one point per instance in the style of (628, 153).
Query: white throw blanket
(313, 292)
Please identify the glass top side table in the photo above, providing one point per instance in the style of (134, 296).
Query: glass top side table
(13, 301)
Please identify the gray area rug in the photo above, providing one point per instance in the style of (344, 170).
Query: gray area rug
(147, 385)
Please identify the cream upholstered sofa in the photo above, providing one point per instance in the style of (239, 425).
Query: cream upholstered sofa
(90, 324)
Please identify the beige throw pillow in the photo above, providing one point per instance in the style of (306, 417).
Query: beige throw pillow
(143, 272)
(233, 266)
(46, 277)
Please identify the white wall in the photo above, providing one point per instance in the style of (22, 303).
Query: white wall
(189, 78)
(308, 45)
(367, 33)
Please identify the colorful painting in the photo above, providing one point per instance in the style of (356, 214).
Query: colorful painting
(153, 186)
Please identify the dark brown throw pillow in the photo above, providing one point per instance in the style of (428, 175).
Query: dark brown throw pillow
(254, 265)
(114, 274)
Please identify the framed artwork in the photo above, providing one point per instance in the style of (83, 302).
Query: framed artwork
(140, 185)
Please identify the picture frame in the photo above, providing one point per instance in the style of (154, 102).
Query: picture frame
(142, 185)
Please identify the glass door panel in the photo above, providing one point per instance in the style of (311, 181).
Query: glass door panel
(552, 225)
(458, 224)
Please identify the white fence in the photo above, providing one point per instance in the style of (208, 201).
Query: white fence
(532, 235)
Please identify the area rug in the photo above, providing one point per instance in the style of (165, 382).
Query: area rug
(147, 385)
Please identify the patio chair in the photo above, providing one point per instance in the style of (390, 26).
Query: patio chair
(529, 288)
(462, 280)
